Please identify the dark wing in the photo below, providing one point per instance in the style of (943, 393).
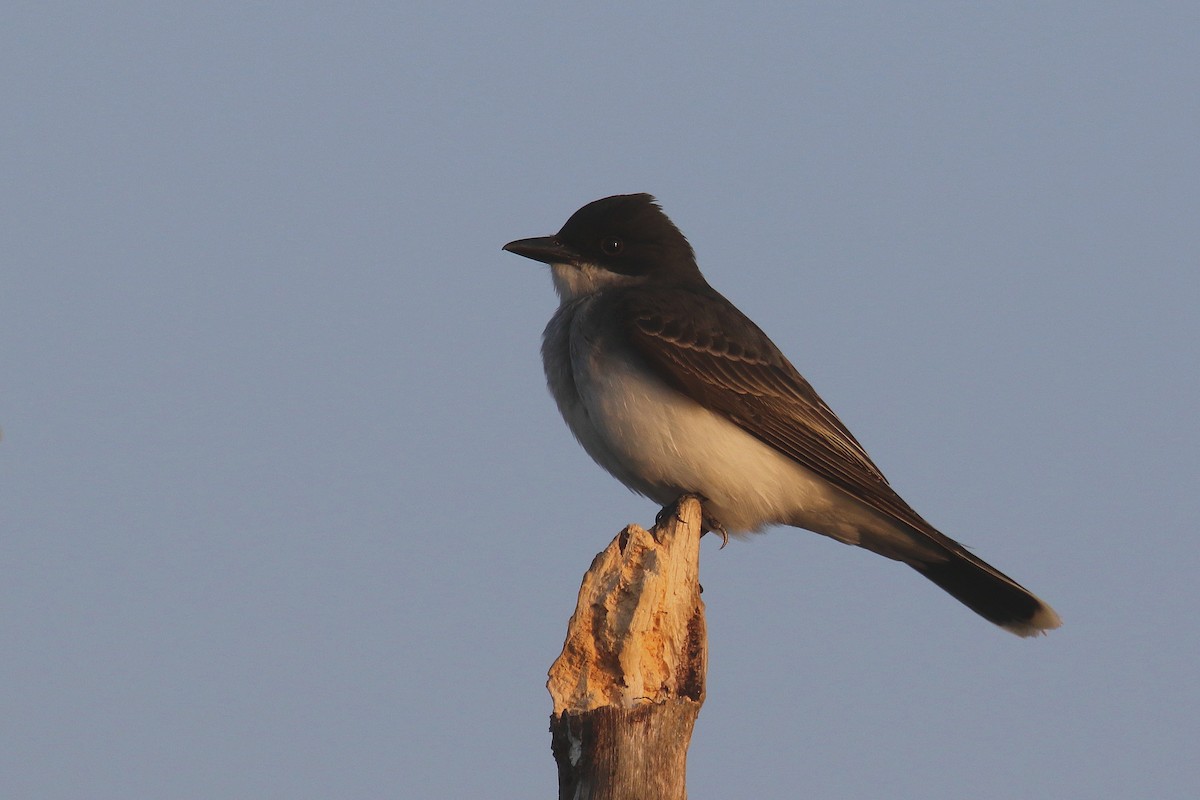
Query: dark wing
(685, 335)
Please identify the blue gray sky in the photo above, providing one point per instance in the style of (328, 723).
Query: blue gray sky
(286, 510)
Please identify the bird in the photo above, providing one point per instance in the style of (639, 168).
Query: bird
(675, 392)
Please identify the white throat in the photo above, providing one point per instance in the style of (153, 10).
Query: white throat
(575, 281)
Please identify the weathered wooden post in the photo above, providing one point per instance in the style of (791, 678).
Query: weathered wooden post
(630, 680)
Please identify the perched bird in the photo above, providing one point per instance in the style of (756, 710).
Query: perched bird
(675, 391)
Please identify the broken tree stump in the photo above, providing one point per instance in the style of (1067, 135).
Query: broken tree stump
(630, 680)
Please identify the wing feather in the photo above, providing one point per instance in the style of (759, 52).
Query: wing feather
(686, 335)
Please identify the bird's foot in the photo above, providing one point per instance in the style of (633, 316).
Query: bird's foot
(713, 524)
(707, 521)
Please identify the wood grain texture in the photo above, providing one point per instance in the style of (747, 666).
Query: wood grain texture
(630, 680)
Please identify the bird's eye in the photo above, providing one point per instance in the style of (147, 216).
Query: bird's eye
(611, 245)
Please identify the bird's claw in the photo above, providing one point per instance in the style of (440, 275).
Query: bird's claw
(707, 521)
(671, 510)
(714, 525)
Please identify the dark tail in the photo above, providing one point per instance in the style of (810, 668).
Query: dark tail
(990, 593)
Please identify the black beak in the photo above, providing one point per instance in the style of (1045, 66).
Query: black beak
(546, 249)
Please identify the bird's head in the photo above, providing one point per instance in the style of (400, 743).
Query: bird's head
(621, 240)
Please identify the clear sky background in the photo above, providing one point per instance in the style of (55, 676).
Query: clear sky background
(286, 508)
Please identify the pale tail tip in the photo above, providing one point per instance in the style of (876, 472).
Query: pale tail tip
(1044, 619)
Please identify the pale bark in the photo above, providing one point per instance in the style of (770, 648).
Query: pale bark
(630, 680)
